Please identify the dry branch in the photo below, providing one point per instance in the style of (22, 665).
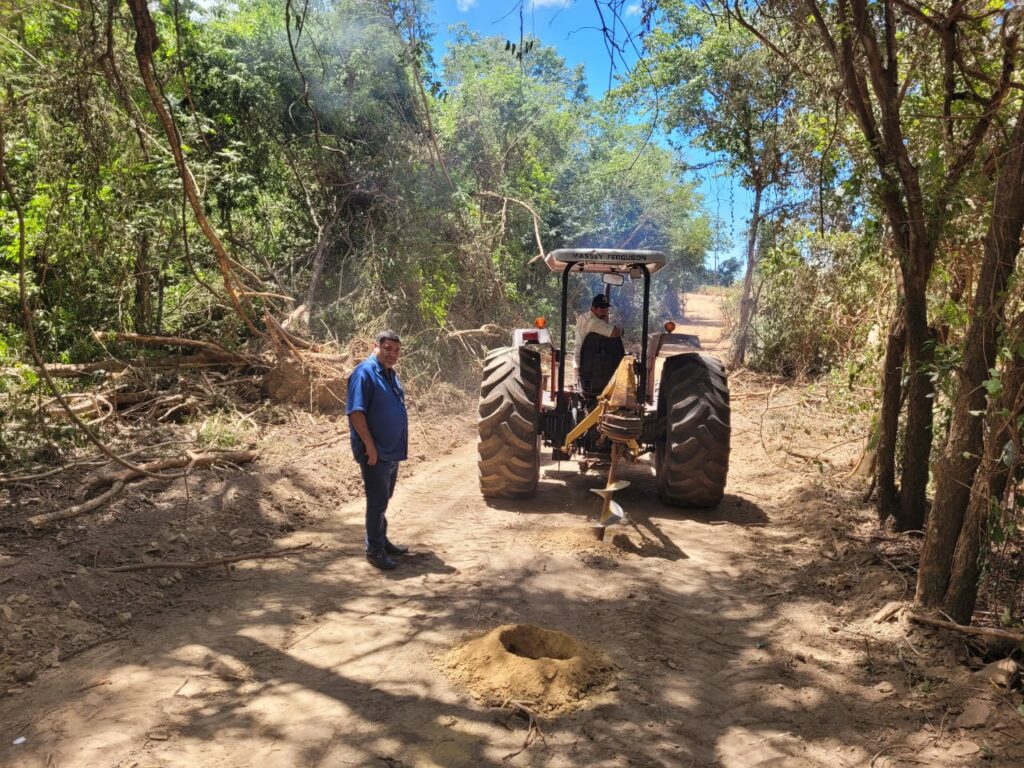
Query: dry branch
(183, 564)
(533, 213)
(177, 362)
(805, 456)
(88, 462)
(487, 329)
(117, 479)
(1001, 634)
(44, 519)
(166, 341)
(190, 459)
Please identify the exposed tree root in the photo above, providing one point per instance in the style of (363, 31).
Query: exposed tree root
(533, 731)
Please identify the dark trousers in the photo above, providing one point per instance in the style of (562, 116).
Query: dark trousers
(379, 482)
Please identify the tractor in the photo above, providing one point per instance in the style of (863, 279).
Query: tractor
(671, 401)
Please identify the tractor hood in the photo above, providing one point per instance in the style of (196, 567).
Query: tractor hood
(603, 260)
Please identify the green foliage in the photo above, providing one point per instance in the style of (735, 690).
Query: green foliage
(816, 300)
(218, 431)
(521, 129)
(312, 138)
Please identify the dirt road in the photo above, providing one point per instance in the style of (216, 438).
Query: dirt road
(739, 637)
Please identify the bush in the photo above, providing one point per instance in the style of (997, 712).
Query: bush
(815, 303)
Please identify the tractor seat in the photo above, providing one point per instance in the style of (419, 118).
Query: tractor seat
(599, 358)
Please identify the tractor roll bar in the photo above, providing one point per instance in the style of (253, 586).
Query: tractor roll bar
(562, 402)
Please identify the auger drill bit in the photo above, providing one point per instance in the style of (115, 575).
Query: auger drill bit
(611, 510)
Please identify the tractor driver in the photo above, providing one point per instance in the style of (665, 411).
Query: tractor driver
(594, 320)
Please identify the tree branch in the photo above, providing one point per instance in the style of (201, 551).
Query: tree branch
(536, 220)
(146, 43)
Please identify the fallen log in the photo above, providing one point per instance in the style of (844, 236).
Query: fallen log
(205, 359)
(81, 404)
(189, 460)
(1000, 634)
(185, 564)
(142, 340)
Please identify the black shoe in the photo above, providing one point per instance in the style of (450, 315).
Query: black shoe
(380, 560)
(394, 550)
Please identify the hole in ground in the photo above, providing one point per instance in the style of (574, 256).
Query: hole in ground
(537, 643)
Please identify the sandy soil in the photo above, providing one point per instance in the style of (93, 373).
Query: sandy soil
(740, 636)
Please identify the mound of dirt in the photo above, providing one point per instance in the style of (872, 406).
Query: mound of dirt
(548, 670)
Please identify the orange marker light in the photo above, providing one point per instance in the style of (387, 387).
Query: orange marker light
(540, 322)
(670, 326)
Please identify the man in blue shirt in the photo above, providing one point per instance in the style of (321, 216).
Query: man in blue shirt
(379, 428)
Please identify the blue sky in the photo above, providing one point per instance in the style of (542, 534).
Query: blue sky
(573, 28)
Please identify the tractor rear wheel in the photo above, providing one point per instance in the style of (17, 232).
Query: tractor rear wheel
(692, 459)
(509, 423)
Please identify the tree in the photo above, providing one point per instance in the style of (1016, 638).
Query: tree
(880, 60)
(926, 89)
(621, 191)
(948, 572)
(722, 90)
(519, 135)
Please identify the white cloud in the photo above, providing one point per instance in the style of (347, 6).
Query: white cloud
(548, 3)
(633, 9)
(464, 5)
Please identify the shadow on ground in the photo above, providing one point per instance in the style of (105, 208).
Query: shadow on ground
(320, 660)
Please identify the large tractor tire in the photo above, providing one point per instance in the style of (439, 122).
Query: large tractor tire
(509, 423)
(692, 459)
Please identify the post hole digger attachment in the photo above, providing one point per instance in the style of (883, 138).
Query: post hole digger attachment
(671, 401)
(619, 419)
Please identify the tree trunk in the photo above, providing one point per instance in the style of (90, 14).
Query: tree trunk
(889, 416)
(989, 486)
(146, 43)
(143, 306)
(161, 279)
(323, 243)
(918, 434)
(956, 469)
(746, 301)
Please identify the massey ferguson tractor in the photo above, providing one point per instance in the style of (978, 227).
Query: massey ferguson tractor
(671, 401)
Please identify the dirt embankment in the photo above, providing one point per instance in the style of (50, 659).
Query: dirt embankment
(740, 636)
